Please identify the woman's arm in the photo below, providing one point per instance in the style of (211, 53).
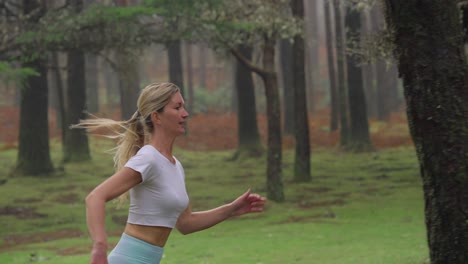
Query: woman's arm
(190, 222)
(96, 200)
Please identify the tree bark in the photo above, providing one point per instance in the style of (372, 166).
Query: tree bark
(76, 145)
(312, 40)
(341, 78)
(129, 82)
(301, 121)
(249, 138)
(274, 156)
(189, 63)
(33, 141)
(202, 63)
(359, 139)
(176, 71)
(288, 86)
(368, 68)
(61, 112)
(334, 104)
(92, 86)
(429, 48)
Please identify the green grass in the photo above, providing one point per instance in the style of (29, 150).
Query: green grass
(358, 208)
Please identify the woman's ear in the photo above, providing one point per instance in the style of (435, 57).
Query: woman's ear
(155, 118)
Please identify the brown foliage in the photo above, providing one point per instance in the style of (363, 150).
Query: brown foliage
(215, 131)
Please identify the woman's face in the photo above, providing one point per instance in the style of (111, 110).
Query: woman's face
(174, 115)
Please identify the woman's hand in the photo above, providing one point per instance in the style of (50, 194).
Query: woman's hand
(98, 254)
(248, 203)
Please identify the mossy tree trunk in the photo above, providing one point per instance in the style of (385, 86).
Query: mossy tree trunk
(274, 153)
(76, 145)
(341, 79)
(359, 138)
(301, 121)
(287, 81)
(334, 115)
(429, 48)
(33, 142)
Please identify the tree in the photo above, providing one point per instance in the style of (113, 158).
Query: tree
(174, 56)
(92, 86)
(359, 138)
(286, 58)
(265, 23)
(428, 39)
(76, 141)
(331, 68)
(301, 121)
(249, 137)
(33, 150)
(341, 79)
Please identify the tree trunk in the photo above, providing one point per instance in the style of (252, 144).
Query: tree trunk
(359, 124)
(249, 138)
(111, 80)
(334, 104)
(288, 86)
(341, 78)
(429, 48)
(76, 140)
(188, 56)
(61, 112)
(312, 62)
(92, 86)
(176, 71)
(129, 83)
(386, 78)
(33, 141)
(301, 127)
(274, 156)
(202, 63)
(274, 153)
(368, 68)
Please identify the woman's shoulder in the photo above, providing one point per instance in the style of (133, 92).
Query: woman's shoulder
(147, 149)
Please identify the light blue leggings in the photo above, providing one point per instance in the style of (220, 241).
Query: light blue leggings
(131, 250)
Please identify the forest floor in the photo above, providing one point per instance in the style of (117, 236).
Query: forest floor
(206, 132)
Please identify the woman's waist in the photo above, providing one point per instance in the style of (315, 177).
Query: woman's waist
(155, 235)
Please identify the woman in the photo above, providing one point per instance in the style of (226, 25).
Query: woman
(155, 180)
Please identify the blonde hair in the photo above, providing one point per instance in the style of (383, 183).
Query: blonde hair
(134, 133)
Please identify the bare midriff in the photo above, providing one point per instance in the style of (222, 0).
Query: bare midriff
(155, 235)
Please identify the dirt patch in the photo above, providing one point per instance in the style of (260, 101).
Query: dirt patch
(317, 189)
(69, 198)
(11, 241)
(27, 200)
(306, 204)
(72, 251)
(21, 212)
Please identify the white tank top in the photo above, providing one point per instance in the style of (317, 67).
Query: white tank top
(161, 196)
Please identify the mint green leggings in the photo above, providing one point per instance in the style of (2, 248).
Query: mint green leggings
(131, 250)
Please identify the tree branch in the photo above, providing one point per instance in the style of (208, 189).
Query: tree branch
(247, 62)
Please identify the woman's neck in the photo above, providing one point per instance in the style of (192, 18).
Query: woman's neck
(163, 144)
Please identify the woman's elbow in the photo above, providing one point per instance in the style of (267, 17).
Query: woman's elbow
(91, 199)
(183, 228)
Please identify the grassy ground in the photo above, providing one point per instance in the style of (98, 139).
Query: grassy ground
(359, 208)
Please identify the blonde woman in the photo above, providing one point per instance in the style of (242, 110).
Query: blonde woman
(155, 180)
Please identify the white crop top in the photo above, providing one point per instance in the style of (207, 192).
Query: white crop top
(161, 196)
